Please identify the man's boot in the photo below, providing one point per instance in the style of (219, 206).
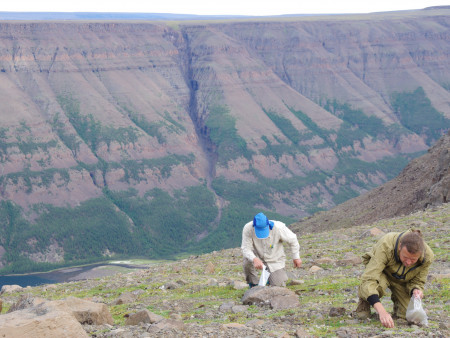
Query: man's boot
(363, 309)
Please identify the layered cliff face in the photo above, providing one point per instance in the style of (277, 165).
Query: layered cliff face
(218, 120)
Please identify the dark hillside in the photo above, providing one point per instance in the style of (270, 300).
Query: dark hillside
(423, 183)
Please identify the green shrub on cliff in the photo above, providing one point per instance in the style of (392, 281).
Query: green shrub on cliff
(223, 133)
(416, 113)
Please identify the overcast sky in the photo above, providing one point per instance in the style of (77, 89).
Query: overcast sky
(212, 7)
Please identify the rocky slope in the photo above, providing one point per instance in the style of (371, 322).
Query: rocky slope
(109, 122)
(424, 182)
(202, 296)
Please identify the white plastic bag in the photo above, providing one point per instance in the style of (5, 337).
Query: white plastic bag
(415, 312)
(264, 276)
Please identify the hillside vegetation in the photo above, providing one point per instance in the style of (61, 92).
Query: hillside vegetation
(204, 292)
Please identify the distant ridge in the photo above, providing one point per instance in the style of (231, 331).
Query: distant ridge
(109, 16)
(126, 16)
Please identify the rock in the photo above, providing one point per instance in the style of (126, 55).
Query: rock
(438, 277)
(275, 296)
(296, 282)
(226, 307)
(24, 302)
(239, 308)
(301, 333)
(212, 282)
(346, 333)
(210, 268)
(144, 316)
(284, 302)
(125, 298)
(42, 320)
(336, 312)
(238, 285)
(171, 286)
(84, 311)
(255, 323)
(325, 260)
(166, 324)
(350, 259)
(140, 291)
(315, 269)
(444, 326)
(233, 326)
(176, 316)
(11, 288)
(374, 232)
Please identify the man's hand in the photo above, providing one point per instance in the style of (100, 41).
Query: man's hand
(297, 262)
(257, 263)
(418, 293)
(385, 317)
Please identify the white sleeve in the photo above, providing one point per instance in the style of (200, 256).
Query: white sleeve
(247, 242)
(289, 237)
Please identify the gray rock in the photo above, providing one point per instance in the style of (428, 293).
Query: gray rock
(125, 298)
(226, 307)
(24, 302)
(301, 333)
(60, 318)
(350, 259)
(325, 260)
(144, 316)
(11, 288)
(314, 269)
(238, 285)
(276, 297)
(346, 333)
(336, 312)
(239, 308)
(167, 324)
(171, 286)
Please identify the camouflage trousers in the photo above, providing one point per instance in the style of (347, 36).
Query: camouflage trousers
(399, 294)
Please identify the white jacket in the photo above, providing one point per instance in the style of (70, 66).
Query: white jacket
(270, 250)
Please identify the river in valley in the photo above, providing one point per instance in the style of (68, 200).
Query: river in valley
(69, 274)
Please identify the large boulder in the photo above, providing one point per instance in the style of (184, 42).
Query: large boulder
(61, 318)
(40, 321)
(26, 301)
(10, 288)
(276, 297)
(84, 311)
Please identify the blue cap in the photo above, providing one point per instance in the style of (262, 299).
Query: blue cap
(262, 225)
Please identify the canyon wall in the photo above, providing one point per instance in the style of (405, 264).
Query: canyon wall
(301, 114)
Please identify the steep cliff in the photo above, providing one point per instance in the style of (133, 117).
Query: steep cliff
(170, 136)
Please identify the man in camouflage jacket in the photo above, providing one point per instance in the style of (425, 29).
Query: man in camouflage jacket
(400, 262)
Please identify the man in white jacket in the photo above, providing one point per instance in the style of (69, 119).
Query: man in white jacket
(262, 245)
